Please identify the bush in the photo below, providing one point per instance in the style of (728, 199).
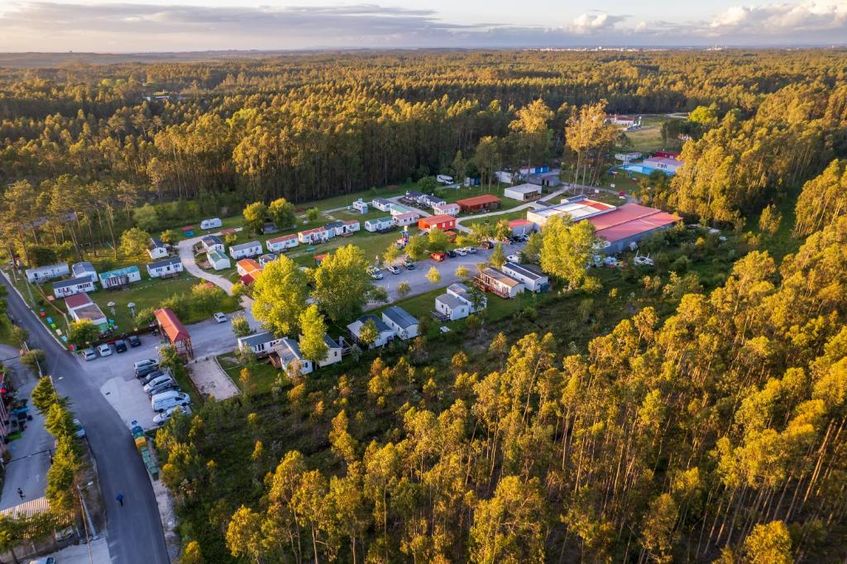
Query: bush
(33, 358)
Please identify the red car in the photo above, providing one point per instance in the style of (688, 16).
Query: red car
(438, 257)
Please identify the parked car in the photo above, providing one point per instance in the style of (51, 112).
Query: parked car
(157, 381)
(514, 258)
(375, 273)
(220, 317)
(392, 269)
(162, 387)
(79, 430)
(144, 363)
(461, 251)
(89, 354)
(104, 350)
(486, 245)
(134, 341)
(152, 375)
(146, 371)
(120, 346)
(451, 254)
(162, 418)
(438, 257)
(166, 400)
(472, 250)
(409, 265)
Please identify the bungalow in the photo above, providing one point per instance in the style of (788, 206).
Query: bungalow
(248, 267)
(431, 201)
(360, 206)
(156, 249)
(333, 352)
(494, 281)
(483, 202)
(120, 277)
(334, 229)
(447, 209)
(443, 222)
(412, 196)
(251, 249)
(282, 243)
(520, 227)
(266, 258)
(313, 236)
(384, 333)
(522, 192)
(41, 274)
(351, 226)
(81, 307)
(549, 179)
(505, 176)
(533, 279)
(289, 353)
(211, 223)
(73, 286)
(458, 303)
(381, 204)
(218, 260)
(261, 344)
(401, 321)
(165, 268)
(84, 269)
(379, 224)
(405, 219)
(212, 243)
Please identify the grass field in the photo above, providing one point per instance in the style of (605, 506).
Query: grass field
(508, 216)
(649, 137)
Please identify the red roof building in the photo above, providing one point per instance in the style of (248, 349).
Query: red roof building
(629, 224)
(249, 267)
(479, 203)
(170, 326)
(443, 222)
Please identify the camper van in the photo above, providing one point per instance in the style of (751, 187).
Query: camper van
(211, 223)
(444, 179)
(169, 399)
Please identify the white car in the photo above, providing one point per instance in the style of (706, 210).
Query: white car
(162, 418)
(641, 260)
(461, 251)
(392, 269)
(104, 350)
(220, 317)
(89, 354)
(514, 258)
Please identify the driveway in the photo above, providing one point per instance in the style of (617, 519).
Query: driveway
(30, 455)
(134, 532)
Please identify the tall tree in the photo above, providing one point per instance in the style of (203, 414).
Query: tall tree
(279, 296)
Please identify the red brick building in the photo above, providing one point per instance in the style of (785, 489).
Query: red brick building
(443, 222)
(484, 202)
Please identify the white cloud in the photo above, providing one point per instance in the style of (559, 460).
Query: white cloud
(807, 16)
(589, 23)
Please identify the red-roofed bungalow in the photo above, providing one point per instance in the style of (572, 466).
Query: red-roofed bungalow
(484, 202)
(170, 326)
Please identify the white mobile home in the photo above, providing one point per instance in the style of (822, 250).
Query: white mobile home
(120, 277)
(333, 352)
(282, 243)
(156, 249)
(447, 209)
(211, 223)
(500, 284)
(360, 206)
(289, 354)
(385, 334)
(458, 302)
(401, 321)
(261, 344)
(251, 249)
(313, 236)
(84, 269)
(41, 274)
(334, 229)
(218, 260)
(351, 226)
(73, 286)
(212, 243)
(379, 224)
(522, 192)
(408, 218)
(534, 280)
(381, 204)
(165, 268)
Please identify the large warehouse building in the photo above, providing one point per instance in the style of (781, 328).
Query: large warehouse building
(618, 226)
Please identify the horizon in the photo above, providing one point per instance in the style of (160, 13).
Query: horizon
(153, 26)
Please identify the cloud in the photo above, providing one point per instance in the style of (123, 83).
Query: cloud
(90, 25)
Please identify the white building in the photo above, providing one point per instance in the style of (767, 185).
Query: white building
(381, 204)
(351, 226)
(251, 249)
(447, 209)
(385, 334)
(458, 303)
(120, 277)
(500, 284)
(360, 206)
(218, 260)
(522, 192)
(408, 218)
(41, 274)
(84, 269)
(534, 280)
(212, 243)
(289, 353)
(505, 176)
(404, 324)
(165, 268)
(379, 224)
(282, 243)
(266, 258)
(261, 344)
(156, 249)
(314, 236)
(333, 352)
(627, 158)
(73, 286)
(211, 223)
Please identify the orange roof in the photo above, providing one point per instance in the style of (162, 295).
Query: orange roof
(282, 238)
(249, 266)
(436, 219)
(480, 200)
(171, 325)
(516, 222)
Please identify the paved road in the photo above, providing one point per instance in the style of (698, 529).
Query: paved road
(134, 531)
(30, 455)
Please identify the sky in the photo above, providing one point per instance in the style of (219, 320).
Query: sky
(128, 26)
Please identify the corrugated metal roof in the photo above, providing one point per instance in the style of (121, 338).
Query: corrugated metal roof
(171, 325)
(480, 200)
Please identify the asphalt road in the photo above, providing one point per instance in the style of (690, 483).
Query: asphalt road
(134, 531)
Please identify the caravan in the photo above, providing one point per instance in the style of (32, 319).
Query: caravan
(211, 223)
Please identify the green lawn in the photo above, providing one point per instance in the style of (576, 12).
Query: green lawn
(508, 216)
(649, 137)
(264, 374)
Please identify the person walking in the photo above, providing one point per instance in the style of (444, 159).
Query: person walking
(120, 498)
(21, 493)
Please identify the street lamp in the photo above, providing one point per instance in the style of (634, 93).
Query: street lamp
(131, 306)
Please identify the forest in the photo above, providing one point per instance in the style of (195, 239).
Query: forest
(663, 417)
